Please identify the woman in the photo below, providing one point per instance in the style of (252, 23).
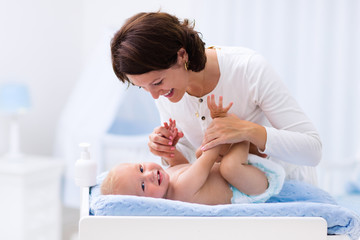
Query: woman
(166, 57)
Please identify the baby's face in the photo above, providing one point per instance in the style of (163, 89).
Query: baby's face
(142, 179)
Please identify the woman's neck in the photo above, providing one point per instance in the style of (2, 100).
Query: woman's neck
(203, 82)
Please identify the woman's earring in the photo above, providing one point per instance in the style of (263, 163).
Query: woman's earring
(186, 65)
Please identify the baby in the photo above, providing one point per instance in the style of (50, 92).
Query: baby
(206, 181)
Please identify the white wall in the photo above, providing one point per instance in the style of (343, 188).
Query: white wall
(45, 44)
(99, 16)
(40, 45)
(313, 44)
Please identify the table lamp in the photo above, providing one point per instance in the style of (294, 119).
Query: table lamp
(14, 101)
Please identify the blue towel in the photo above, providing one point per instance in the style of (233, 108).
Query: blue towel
(296, 199)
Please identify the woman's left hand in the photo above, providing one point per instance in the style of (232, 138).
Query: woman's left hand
(232, 129)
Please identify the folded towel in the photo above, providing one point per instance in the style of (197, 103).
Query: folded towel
(296, 199)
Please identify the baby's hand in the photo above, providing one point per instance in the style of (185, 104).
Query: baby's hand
(175, 133)
(217, 110)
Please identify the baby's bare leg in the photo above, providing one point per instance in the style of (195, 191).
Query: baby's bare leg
(235, 169)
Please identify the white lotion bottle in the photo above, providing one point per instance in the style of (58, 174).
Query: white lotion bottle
(85, 168)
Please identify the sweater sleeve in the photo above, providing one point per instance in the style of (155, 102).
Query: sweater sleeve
(291, 137)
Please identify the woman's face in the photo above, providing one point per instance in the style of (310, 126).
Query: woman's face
(171, 83)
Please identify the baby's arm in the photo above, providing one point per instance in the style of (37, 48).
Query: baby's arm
(178, 157)
(190, 182)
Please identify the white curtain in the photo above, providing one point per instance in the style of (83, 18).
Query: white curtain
(88, 115)
(114, 119)
(315, 46)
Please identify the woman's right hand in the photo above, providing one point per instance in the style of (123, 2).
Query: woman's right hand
(162, 140)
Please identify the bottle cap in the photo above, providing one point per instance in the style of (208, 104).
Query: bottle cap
(85, 154)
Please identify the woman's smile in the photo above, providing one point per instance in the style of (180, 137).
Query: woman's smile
(170, 83)
(169, 94)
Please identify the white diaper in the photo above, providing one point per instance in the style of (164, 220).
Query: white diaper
(275, 175)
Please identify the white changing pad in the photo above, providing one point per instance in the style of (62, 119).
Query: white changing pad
(296, 199)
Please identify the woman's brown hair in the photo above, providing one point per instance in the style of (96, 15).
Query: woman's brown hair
(150, 41)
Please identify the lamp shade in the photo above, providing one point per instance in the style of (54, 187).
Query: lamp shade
(14, 98)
